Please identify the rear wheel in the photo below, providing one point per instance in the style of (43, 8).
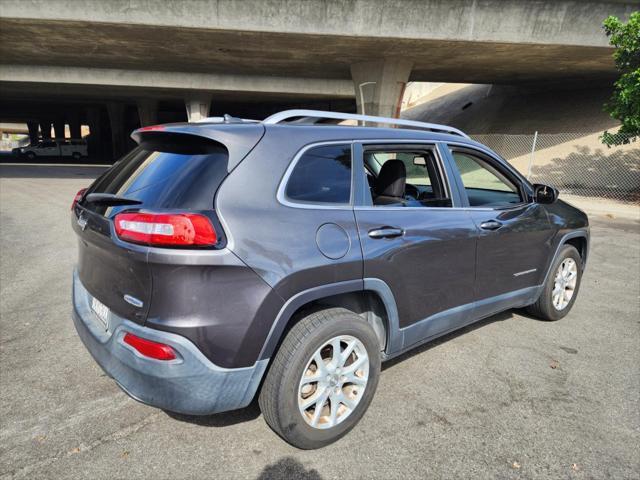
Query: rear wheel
(30, 155)
(561, 287)
(76, 156)
(322, 379)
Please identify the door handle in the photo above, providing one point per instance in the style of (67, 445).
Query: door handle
(490, 225)
(386, 232)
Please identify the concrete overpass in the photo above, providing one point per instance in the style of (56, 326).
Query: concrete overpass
(108, 60)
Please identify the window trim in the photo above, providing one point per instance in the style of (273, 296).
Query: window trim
(281, 195)
(432, 145)
(501, 165)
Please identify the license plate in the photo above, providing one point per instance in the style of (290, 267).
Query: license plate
(101, 311)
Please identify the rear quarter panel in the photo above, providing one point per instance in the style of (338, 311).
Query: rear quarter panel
(279, 242)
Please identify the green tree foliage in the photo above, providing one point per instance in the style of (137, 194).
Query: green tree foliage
(624, 104)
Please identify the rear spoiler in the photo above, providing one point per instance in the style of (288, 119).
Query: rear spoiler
(197, 139)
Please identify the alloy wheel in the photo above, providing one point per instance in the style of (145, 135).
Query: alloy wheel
(564, 284)
(333, 382)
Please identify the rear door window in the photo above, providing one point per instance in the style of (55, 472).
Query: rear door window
(424, 185)
(322, 175)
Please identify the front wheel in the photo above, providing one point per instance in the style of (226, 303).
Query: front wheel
(322, 379)
(561, 287)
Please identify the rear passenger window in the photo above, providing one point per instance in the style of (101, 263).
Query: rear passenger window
(404, 177)
(322, 175)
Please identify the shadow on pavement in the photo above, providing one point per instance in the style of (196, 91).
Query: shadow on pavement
(224, 419)
(252, 411)
(450, 336)
(288, 468)
(599, 172)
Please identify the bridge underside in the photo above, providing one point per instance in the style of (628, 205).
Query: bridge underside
(122, 64)
(197, 50)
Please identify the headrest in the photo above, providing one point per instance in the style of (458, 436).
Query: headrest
(391, 179)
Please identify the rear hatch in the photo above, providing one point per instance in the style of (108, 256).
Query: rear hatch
(173, 170)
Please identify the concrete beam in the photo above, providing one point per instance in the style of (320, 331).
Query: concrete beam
(176, 81)
(379, 86)
(548, 22)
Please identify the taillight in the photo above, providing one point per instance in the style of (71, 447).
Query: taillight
(152, 128)
(77, 198)
(150, 349)
(166, 229)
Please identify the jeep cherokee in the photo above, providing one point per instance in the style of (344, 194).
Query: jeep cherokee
(287, 258)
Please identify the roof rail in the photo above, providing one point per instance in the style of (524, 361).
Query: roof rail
(434, 127)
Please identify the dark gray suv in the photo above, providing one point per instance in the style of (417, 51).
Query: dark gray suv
(287, 258)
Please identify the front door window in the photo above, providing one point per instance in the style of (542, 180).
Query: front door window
(484, 184)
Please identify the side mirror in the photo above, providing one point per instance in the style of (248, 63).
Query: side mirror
(545, 193)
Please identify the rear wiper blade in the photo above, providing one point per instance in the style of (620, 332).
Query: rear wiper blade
(110, 199)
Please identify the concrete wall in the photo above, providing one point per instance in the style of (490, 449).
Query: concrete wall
(567, 151)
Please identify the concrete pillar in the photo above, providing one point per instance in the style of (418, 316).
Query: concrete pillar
(147, 111)
(45, 129)
(58, 129)
(116, 122)
(379, 86)
(33, 132)
(198, 107)
(75, 127)
(96, 145)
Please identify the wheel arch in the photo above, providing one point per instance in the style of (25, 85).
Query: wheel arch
(370, 298)
(576, 238)
(580, 243)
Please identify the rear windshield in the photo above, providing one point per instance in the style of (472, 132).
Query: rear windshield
(162, 180)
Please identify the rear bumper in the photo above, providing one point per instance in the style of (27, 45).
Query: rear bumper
(190, 384)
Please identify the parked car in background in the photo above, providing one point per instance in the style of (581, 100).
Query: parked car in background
(72, 148)
(227, 259)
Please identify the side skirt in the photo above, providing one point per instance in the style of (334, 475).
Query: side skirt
(459, 317)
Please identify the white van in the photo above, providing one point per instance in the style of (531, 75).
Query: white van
(75, 148)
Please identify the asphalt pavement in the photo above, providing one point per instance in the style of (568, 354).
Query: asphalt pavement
(509, 397)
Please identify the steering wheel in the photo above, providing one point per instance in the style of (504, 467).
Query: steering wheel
(411, 192)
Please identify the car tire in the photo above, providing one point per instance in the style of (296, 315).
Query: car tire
(76, 156)
(561, 287)
(288, 385)
(30, 155)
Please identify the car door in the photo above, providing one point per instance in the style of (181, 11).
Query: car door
(421, 247)
(47, 148)
(65, 148)
(514, 232)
